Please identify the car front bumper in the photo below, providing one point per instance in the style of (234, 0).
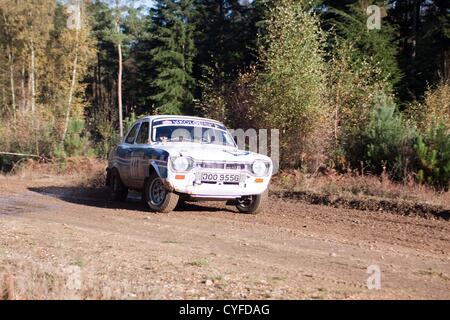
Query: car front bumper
(189, 184)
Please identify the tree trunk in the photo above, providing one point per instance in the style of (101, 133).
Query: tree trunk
(4, 104)
(119, 91)
(69, 102)
(99, 81)
(446, 66)
(71, 90)
(11, 76)
(33, 80)
(119, 78)
(23, 104)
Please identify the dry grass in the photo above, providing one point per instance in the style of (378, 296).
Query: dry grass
(38, 281)
(353, 185)
(75, 171)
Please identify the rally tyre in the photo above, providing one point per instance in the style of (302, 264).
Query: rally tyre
(157, 197)
(117, 190)
(252, 204)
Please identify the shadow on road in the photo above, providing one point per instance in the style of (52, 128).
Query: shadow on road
(96, 197)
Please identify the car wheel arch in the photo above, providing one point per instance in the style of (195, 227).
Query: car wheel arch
(109, 172)
(154, 168)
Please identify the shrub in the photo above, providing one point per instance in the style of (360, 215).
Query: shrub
(29, 134)
(77, 140)
(129, 121)
(385, 144)
(212, 103)
(434, 109)
(433, 156)
(108, 137)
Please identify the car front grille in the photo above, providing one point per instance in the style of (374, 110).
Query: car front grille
(221, 166)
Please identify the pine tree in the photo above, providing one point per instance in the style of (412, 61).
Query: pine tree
(226, 36)
(424, 36)
(348, 19)
(172, 56)
(226, 39)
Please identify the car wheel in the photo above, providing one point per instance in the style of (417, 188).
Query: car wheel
(157, 197)
(117, 190)
(252, 204)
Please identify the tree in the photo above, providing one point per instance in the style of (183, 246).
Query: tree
(101, 81)
(291, 88)
(121, 11)
(226, 35)
(77, 37)
(348, 21)
(47, 62)
(8, 32)
(26, 27)
(352, 86)
(172, 56)
(424, 36)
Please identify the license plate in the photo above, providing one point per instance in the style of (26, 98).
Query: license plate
(221, 177)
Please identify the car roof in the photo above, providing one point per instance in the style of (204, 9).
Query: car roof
(151, 118)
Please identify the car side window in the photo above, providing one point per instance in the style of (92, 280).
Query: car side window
(132, 135)
(143, 135)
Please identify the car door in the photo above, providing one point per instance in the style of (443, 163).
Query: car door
(125, 151)
(139, 155)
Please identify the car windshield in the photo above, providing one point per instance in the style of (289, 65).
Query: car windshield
(191, 131)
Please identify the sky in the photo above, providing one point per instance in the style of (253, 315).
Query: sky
(146, 3)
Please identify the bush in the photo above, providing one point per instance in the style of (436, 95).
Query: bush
(29, 134)
(77, 141)
(129, 121)
(385, 144)
(434, 109)
(213, 102)
(108, 138)
(433, 156)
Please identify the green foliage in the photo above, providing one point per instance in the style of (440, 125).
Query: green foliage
(213, 104)
(108, 135)
(424, 30)
(172, 56)
(385, 144)
(129, 121)
(351, 87)
(433, 154)
(379, 48)
(77, 142)
(226, 36)
(109, 138)
(435, 108)
(291, 89)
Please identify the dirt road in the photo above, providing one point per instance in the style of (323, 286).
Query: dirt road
(63, 242)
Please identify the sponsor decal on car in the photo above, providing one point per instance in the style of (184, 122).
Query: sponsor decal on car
(197, 123)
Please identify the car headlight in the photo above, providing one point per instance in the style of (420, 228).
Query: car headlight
(259, 168)
(181, 164)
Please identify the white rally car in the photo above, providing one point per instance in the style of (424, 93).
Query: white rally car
(169, 158)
